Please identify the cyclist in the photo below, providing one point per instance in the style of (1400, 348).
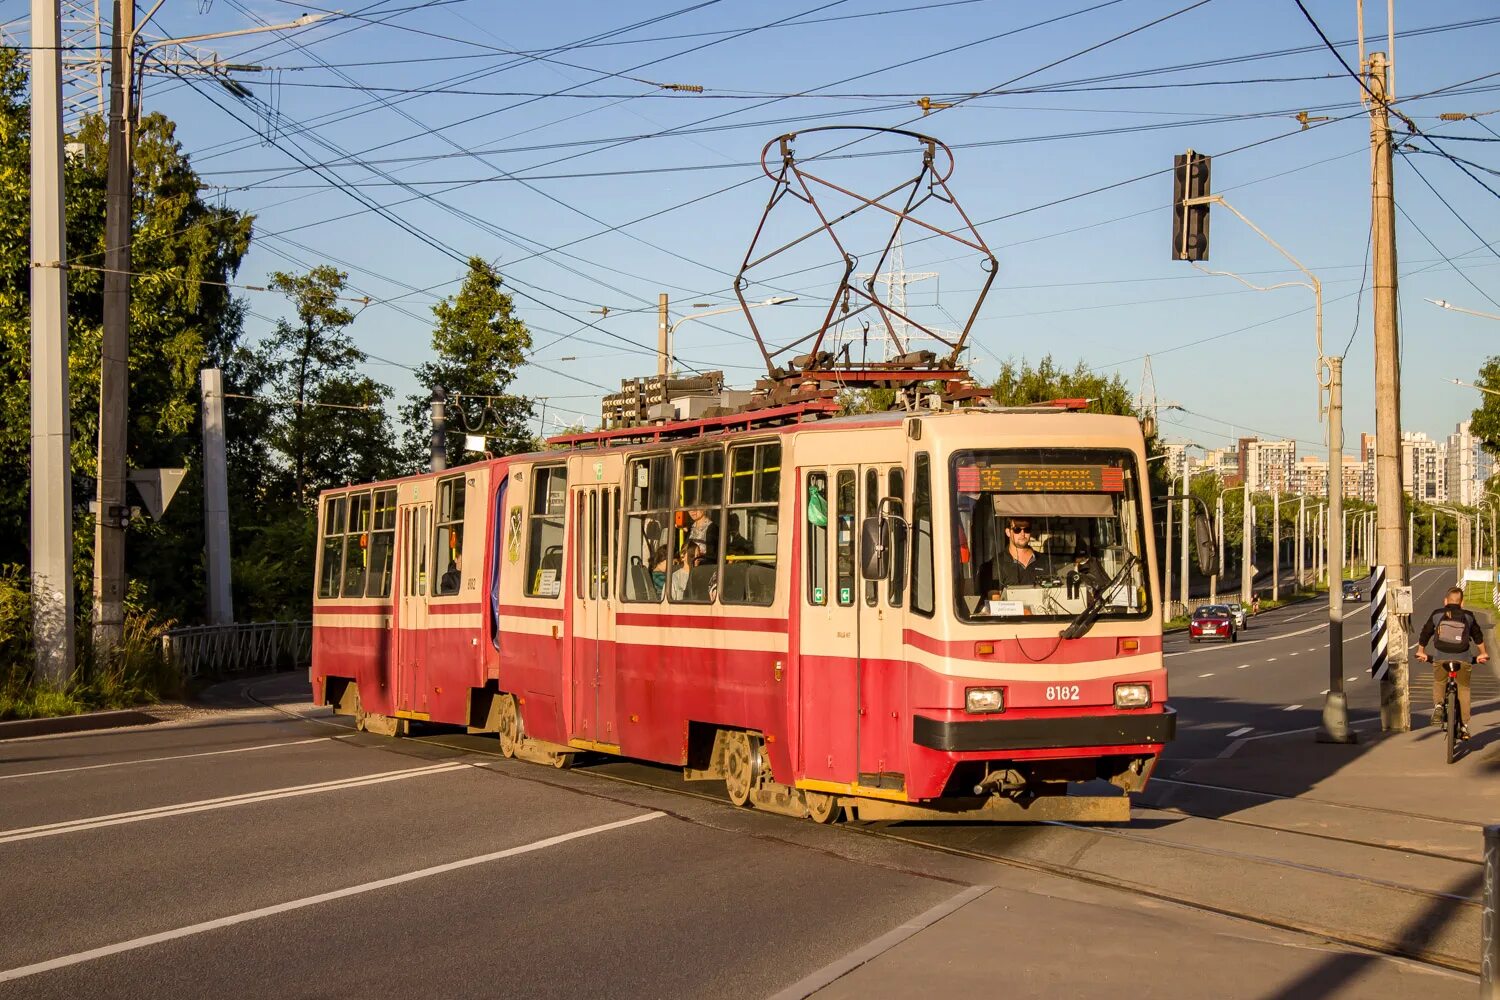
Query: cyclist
(1453, 631)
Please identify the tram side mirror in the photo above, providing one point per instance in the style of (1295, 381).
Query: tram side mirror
(874, 558)
(1205, 544)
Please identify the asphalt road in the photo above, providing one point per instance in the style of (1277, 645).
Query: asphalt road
(1273, 680)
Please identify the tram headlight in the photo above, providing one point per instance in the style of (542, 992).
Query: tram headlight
(980, 700)
(1132, 695)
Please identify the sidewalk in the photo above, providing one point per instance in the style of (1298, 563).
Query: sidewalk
(1044, 936)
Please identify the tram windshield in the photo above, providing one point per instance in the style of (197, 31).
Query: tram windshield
(1041, 531)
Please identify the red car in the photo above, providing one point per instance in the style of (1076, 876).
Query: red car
(1213, 621)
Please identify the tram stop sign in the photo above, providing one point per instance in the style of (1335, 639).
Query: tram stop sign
(156, 487)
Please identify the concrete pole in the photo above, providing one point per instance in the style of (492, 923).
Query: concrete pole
(1187, 527)
(1395, 693)
(1411, 535)
(1276, 545)
(1166, 588)
(438, 448)
(663, 349)
(1247, 549)
(1213, 581)
(1335, 724)
(216, 498)
(51, 473)
(1301, 538)
(113, 515)
(1433, 537)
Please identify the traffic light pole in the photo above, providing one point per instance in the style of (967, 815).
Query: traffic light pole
(1335, 725)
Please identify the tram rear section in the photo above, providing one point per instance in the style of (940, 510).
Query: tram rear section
(898, 617)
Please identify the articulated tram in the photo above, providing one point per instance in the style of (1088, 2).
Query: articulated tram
(890, 616)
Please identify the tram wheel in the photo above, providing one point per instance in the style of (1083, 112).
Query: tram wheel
(822, 808)
(508, 727)
(741, 766)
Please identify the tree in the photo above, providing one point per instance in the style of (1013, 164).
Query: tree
(185, 253)
(1486, 425)
(328, 421)
(1019, 384)
(479, 344)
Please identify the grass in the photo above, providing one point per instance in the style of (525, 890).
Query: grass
(134, 673)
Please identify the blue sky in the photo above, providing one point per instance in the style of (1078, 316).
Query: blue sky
(1085, 278)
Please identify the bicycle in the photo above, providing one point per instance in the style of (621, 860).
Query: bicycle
(1453, 723)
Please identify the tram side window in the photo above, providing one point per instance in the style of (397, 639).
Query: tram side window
(697, 545)
(648, 510)
(922, 596)
(382, 546)
(872, 509)
(544, 544)
(844, 539)
(334, 510)
(356, 545)
(752, 525)
(449, 545)
(817, 538)
(896, 490)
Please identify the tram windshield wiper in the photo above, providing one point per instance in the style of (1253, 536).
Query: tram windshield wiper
(1085, 619)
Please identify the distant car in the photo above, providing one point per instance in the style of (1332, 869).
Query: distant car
(1213, 621)
(1352, 591)
(1238, 611)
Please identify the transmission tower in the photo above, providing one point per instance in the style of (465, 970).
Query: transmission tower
(877, 341)
(85, 58)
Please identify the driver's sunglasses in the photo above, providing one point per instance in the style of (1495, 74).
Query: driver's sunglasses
(1020, 529)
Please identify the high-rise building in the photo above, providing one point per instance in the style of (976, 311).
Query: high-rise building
(1424, 472)
(1467, 467)
(1267, 465)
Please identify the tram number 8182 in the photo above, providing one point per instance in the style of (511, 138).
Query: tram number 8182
(1062, 692)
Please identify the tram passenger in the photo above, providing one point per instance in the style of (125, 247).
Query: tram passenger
(659, 569)
(687, 560)
(452, 577)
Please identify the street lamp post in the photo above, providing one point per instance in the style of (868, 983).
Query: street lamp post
(669, 358)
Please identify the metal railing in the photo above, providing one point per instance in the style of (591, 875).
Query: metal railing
(225, 650)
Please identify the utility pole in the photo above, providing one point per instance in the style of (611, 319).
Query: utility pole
(1187, 524)
(1335, 724)
(215, 498)
(1276, 544)
(1213, 581)
(112, 516)
(1166, 584)
(663, 349)
(1301, 537)
(1247, 547)
(1395, 694)
(438, 447)
(51, 473)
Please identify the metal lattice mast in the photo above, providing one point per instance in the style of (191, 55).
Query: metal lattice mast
(896, 279)
(85, 60)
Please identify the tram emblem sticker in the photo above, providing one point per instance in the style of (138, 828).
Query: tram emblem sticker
(513, 543)
(598, 472)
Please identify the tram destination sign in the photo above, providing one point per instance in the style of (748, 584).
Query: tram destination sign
(1041, 479)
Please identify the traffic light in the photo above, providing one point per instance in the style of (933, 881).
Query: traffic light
(1190, 222)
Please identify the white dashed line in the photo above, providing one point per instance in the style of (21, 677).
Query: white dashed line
(1351, 678)
(1240, 732)
(1242, 666)
(1294, 652)
(1270, 659)
(1324, 691)
(1205, 675)
(1291, 708)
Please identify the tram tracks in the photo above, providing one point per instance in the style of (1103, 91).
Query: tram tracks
(1432, 926)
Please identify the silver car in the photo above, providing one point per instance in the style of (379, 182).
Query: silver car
(1238, 610)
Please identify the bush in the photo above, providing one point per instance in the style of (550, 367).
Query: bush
(137, 672)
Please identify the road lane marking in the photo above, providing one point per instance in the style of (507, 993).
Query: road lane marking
(1240, 732)
(223, 802)
(1324, 691)
(1292, 653)
(154, 760)
(1293, 708)
(1206, 675)
(1270, 659)
(1242, 666)
(133, 944)
(1351, 678)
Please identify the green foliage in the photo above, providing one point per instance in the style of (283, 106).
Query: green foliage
(480, 345)
(1020, 384)
(1486, 426)
(867, 400)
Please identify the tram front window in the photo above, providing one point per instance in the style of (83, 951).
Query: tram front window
(1040, 532)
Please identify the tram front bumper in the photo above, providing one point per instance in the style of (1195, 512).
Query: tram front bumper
(1047, 733)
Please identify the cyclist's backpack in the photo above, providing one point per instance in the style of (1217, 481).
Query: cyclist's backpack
(1452, 635)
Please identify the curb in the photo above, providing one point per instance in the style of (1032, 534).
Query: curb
(19, 728)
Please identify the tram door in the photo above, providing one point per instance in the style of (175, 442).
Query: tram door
(829, 624)
(409, 693)
(882, 674)
(596, 512)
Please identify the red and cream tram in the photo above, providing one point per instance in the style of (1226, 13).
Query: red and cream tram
(884, 616)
